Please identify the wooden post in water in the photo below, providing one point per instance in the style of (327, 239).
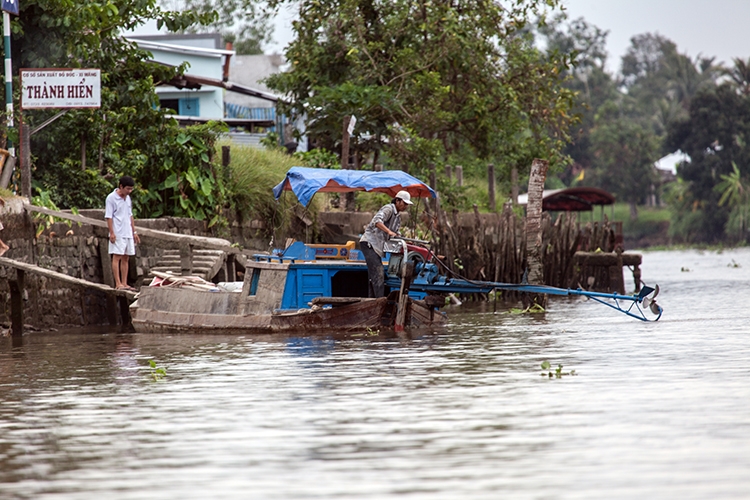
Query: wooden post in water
(491, 186)
(16, 303)
(109, 280)
(534, 230)
(407, 273)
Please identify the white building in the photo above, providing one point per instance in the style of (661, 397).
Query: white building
(206, 61)
(219, 85)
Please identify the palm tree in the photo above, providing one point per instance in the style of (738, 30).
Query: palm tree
(733, 190)
(687, 76)
(740, 75)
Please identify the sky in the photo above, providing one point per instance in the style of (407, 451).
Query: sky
(706, 27)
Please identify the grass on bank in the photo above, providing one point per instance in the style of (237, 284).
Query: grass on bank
(651, 222)
(253, 174)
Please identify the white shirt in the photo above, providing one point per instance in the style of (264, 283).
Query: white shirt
(120, 210)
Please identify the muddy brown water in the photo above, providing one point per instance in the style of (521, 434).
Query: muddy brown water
(655, 410)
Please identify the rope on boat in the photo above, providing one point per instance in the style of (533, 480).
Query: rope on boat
(166, 280)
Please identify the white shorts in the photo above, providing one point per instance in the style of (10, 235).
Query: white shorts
(122, 246)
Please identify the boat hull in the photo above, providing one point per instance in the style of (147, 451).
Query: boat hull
(336, 315)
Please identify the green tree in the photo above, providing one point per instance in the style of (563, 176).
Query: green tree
(427, 79)
(129, 134)
(734, 193)
(659, 81)
(589, 79)
(740, 75)
(715, 136)
(625, 153)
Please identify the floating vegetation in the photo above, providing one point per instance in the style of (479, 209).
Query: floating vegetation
(558, 373)
(685, 269)
(734, 264)
(368, 331)
(535, 309)
(157, 373)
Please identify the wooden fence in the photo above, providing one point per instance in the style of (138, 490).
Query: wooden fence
(494, 249)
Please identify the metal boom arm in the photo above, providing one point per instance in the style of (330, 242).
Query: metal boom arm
(631, 305)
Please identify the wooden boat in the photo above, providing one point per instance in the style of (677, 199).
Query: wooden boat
(324, 288)
(284, 294)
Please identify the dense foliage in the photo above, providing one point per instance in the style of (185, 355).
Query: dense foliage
(661, 102)
(427, 81)
(79, 157)
(711, 203)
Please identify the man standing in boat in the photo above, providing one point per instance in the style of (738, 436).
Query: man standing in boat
(383, 226)
(122, 236)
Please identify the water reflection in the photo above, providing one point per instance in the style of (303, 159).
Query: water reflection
(656, 411)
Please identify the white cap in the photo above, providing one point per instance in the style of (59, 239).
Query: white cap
(405, 196)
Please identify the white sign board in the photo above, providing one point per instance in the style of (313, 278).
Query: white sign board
(61, 88)
(352, 123)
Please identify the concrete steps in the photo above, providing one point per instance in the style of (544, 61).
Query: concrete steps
(205, 263)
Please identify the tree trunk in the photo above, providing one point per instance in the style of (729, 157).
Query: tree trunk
(633, 211)
(534, 262)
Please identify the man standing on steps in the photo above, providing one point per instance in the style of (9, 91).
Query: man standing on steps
(383, 226)
(122, 236)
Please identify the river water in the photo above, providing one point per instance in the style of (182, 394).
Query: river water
(654, 410)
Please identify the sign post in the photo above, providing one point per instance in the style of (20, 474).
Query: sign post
(48, 88)
(8, 7)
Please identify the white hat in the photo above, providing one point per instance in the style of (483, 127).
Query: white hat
(405, 196)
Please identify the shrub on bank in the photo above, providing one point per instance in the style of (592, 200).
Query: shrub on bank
(253, 173)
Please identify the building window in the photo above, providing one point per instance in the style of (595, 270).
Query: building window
(189, 107)
(170, 104)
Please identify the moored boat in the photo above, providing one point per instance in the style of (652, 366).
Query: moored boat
(282, 293)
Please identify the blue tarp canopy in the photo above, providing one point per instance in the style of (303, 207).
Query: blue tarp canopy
(305, 182)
